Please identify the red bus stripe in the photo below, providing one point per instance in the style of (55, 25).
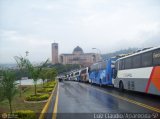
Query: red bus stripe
(149, 81)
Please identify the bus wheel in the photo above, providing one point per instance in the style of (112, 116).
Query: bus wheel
(121, 86)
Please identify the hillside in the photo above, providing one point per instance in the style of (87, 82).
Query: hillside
(123, 51)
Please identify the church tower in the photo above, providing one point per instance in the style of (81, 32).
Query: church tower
(54, 53)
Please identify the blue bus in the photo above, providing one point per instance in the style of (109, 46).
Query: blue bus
(103, 73)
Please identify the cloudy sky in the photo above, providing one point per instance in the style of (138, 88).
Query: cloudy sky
(108, 25)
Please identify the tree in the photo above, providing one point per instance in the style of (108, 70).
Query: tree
(43, 75)
(21, 63)
(34, 72)
(1, 92)
(8, 87)
(1, 89)
(51, 74)
(60, 68)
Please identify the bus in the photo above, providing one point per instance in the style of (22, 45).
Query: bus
(93, 73)
(69, 76)
(103, 73)
(84, 76)
(77, 75)
(72, 76)
(139, 72)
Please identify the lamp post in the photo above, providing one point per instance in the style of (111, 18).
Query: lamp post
(26, 53)
(98, 50)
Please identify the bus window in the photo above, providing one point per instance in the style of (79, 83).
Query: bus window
(147, 59)
(123, 65)
(84, 71)
(120, 64)
(137, 61)
(77, 73)
(128, 63)
(156, 57)
(116, 65)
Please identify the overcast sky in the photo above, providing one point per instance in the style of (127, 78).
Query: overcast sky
(108, 25)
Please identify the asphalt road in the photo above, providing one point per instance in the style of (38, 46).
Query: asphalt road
(80, 100)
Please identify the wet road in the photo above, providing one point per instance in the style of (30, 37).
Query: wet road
(80, 98)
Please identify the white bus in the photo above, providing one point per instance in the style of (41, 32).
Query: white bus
(77, 75)
(139, 72)
(84, 75)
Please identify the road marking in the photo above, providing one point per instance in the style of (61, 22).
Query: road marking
(47, 104)
(131, 101)
(56, 105)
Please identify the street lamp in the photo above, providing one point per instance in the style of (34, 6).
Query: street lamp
(98, 50)
(26, 53)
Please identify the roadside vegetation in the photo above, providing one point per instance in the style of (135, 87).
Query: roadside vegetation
(21, 64)
(61, 68)
(47, 87)
(26, 101)
(8, 88)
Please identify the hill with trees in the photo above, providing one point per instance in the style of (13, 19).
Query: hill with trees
(123, 51)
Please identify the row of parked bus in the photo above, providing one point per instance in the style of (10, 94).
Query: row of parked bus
(139, 71)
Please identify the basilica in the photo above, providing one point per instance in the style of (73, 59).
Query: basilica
(79, 57)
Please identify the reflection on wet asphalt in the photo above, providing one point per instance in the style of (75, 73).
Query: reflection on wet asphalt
(76, 97)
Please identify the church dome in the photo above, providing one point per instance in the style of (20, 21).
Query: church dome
(77, 50)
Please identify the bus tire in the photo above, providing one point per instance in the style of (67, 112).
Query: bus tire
(121, 86)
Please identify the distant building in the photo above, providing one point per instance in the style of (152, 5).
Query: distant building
(54, 53)
(79, 57)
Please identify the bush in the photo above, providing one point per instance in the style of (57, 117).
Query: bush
(25, 114)
(49, 89)
(38, 97)
(45, 90)
(50, 84)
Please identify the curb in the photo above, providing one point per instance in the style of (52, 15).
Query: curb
(54, 116)
(45, 108)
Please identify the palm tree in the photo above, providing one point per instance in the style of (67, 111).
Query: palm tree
(43, 75)
(1, 91)
(35, 72)
(8, 87)
(21, 63)
(51, 74)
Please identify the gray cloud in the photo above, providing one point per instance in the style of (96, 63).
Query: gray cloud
(108, 25)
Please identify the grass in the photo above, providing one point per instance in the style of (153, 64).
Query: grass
(45, 90)
(18, 102)
(38, 97)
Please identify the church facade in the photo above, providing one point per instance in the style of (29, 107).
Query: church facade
(79, 57)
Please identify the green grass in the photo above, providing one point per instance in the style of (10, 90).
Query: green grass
(38, 97)
(49, 84)
(18, 102)
(45, 90)
(25, 114)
